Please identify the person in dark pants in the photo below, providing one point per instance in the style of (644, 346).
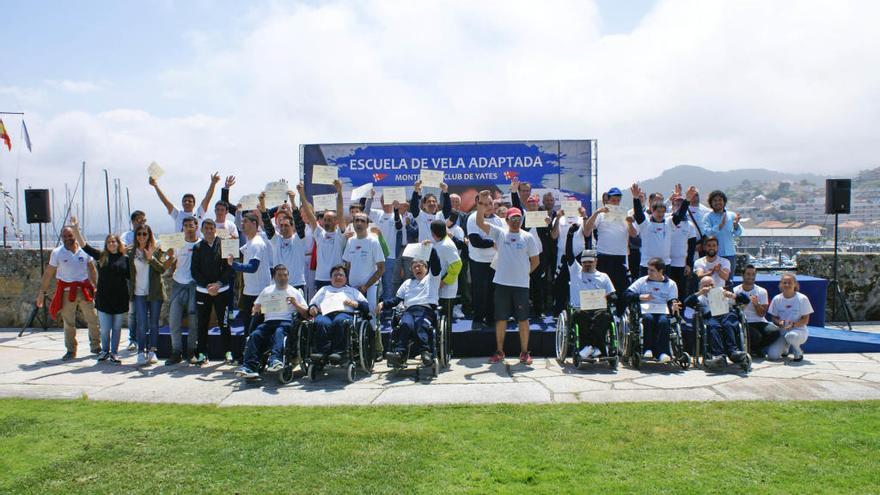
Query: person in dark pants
(762, 333)
(612, 243)
(214, 281)
(255, 268)
(482, 252)
(721, 329)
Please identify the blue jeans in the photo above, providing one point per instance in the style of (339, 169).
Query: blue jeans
(414, 324)
(656, 336)
(330, 333)
(721, 335)
(388, 280)
(111, 328)
(132, 324)
(183, 297)
(270, 333)
(147, 316)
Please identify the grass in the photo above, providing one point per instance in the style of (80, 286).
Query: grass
(727, 447)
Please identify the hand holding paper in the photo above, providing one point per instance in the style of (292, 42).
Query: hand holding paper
(324, 174)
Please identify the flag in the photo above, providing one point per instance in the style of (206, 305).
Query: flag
(510, 174)
(5, 135)
(27, 137)
(378, 176)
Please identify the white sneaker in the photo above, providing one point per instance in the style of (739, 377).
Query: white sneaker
(151, 358)
(586, 352)
(664, 358)
(597, 352)
(457, 313)
(648, 354)
(141, 359)
(230, 359)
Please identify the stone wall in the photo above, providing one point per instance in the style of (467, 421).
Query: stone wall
(859, 278)
(19, 282)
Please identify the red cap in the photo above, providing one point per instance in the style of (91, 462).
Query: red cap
(513, 212)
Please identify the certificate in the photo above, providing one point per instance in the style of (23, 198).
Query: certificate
(323, 202)
(571, 207)
(324, 174)
(222, 234)
(417, 251)
(361, 191)
(654, 308)
(275, 303)
(275, 198)
(333, 302)
(249, 202)
(229, 247)
(392, 194)
(536, 219)
(616, 213)
(280, 186)
(155, 170)
(593, 299)
(718, 305)
(171, 241)
(431, 178)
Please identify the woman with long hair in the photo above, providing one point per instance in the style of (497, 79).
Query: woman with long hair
(111, 298)
(145, 289)
(790, 311)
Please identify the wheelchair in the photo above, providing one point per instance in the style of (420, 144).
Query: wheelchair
(440, 343)
(292, 356)
(359, 354)
(568, 343)
(741, 335)
(634, 340)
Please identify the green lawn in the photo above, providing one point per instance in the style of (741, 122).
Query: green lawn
(727, 447)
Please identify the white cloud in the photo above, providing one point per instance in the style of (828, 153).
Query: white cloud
(784, 85)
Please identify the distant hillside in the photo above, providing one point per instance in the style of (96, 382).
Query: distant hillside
(707, 180)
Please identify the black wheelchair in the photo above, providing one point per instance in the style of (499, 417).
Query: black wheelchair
(568, 340)
(440, 342)
(292, 356)
(635, 338)
(741, 335)
(359, 354)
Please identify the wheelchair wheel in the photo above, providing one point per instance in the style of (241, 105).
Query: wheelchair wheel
(684, 361)
(746, 364)
(313, 372)
(366, 346)
(350, 372)
(445, 343)
(286, 375)
(562, 325)
(635, 360)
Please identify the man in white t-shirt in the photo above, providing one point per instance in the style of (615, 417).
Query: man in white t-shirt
(188, 202)
(712, 265)
(225, 223)
(612, 244)
(761, 332)
(518, 255)
(289, 246)
(183, 292)
(364, 260)
(426, 209)
(75, 277)
(481, 251)
(330, 237)
(270, 333)
(255, 268)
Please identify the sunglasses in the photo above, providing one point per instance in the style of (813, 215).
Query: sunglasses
(142, 234)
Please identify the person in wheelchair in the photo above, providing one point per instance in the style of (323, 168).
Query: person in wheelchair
(584, 276)
(331, 307)
(278, 303)
(656, 294)
(419, 295)
(721, 330)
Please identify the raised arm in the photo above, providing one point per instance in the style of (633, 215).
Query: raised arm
(445, 201)
(415, 199)
(168, 205)
(206, 201)
(481, 212)
(340, 214)
(308, 213)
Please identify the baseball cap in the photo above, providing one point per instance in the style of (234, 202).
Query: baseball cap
(588, 254)
(513, 212)
(614, 192)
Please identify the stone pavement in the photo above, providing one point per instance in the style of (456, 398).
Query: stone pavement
(31, 367)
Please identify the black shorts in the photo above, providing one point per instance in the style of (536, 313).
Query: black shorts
(511, 301)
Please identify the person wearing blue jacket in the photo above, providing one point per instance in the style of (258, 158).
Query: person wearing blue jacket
(724, 225)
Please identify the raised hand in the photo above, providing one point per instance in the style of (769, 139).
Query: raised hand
(215, 177)
(153, 181)
(417, 187)
(230, 181)
(636, 191)
(338, 185)
(444, 187)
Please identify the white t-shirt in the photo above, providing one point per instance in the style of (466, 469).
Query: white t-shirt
(228, 225)
(141, 276)
(661, 291)
(362, 255)
(613, 237)
(482, 255)
(179, 216)
(183, 263)
(790, 309)
(423, 221)
(681, 233)
(456, 231)
(289, 291)
(578, 243)
(329, 250)
(581, 280)
(70, 266)
(656, 239)
(705, 265)
(416, 292)
(256, 249)
(749, 311)
(349, 291)
(448, 254)
(514, 251)
(385, 222)
(290, 253)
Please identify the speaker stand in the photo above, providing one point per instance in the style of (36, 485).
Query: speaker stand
(837, 295)
(37, 312)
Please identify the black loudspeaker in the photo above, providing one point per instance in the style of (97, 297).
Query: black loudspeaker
(837, 196)
(36, 206)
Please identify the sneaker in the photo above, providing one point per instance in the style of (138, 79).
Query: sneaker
(394, 358)
(738, 356)
(142, 359)
(103, 356)
(525, 358)
(275, 366)
(68, 356)
(174, 359)
(113, 359)
(586, 352)
(717, 362)
(199, 359)
(334, 358)
(496, 358)
(798, 358)
(96, 350)
(316, 357)
(229, 359)
(664, 358)
(648, 354)
(151, 358)
(596, 353)
(246, 373)
(427, 359)
(457, 313)
(132, 346)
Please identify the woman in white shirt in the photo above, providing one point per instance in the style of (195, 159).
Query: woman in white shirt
(790, 311)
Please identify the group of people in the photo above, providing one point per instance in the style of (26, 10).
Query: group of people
(426, 255)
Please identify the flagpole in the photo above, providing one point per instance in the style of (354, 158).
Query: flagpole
(82, 214)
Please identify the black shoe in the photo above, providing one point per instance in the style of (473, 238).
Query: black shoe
(68, 356)
(394, 358)
(798, 359)
(316, 357)
(174, 359)
(716, 362)
(427, 359)
(96, 350)
(103, 356)
(334, 358)
(737, 357)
